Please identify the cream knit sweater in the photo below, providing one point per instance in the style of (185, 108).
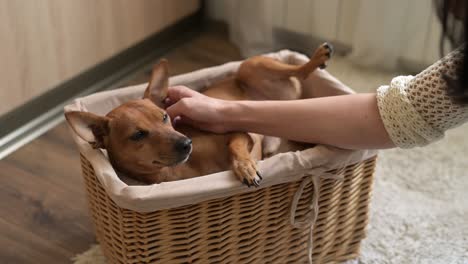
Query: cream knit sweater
(416, 110)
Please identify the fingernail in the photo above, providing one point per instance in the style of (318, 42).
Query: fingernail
(175, 121)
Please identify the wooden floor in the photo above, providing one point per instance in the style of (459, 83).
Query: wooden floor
(43, 211)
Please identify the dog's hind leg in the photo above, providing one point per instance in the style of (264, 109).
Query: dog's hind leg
(243, 163)
(318, 60)
(265, 78)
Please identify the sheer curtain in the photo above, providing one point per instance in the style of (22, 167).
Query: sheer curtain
(379, 33)
(251, 25)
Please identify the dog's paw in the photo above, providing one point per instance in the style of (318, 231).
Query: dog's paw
(246, 171)
(322, 54)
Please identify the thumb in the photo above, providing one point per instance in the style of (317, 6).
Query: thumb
(180, 108)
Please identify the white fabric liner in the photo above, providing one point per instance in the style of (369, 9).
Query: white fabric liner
(281, 168)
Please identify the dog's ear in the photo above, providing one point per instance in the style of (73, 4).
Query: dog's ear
(157, 87)
(90, 127)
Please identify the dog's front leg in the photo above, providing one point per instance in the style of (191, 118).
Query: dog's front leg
(243, 164)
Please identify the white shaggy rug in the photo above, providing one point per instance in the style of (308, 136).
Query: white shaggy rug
(419, 212)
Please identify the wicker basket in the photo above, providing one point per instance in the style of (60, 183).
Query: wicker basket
(251, 227)
(191, 222)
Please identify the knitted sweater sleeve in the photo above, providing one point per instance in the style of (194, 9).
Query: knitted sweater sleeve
(416, 110)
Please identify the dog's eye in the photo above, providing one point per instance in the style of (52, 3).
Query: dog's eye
(165, 118)
(139, 135)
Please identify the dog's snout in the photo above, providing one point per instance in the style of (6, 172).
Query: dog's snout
(183, 145)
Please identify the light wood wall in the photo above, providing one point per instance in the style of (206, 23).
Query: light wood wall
(43, 43)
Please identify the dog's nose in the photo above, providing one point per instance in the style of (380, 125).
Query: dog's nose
(183, 145)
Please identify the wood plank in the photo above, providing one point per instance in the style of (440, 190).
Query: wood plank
(20, 246)
(45, 210)
(49, 160)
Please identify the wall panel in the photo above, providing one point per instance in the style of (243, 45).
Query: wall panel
(47, 42)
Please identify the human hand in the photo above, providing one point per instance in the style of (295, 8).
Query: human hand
(187, 106)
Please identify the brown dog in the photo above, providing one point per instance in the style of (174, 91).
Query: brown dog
(142, 143)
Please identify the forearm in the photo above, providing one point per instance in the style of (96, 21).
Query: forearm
(320, 83)
(349, 121)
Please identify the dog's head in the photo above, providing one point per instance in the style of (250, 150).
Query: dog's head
(137, 135)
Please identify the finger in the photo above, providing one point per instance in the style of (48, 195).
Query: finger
(176, 93)
(175, 110)
(167, 102)
(175, 121)
(187, 121)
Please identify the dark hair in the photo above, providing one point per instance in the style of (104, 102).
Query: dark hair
(453, 15)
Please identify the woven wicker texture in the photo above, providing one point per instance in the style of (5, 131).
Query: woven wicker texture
(252, 227)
